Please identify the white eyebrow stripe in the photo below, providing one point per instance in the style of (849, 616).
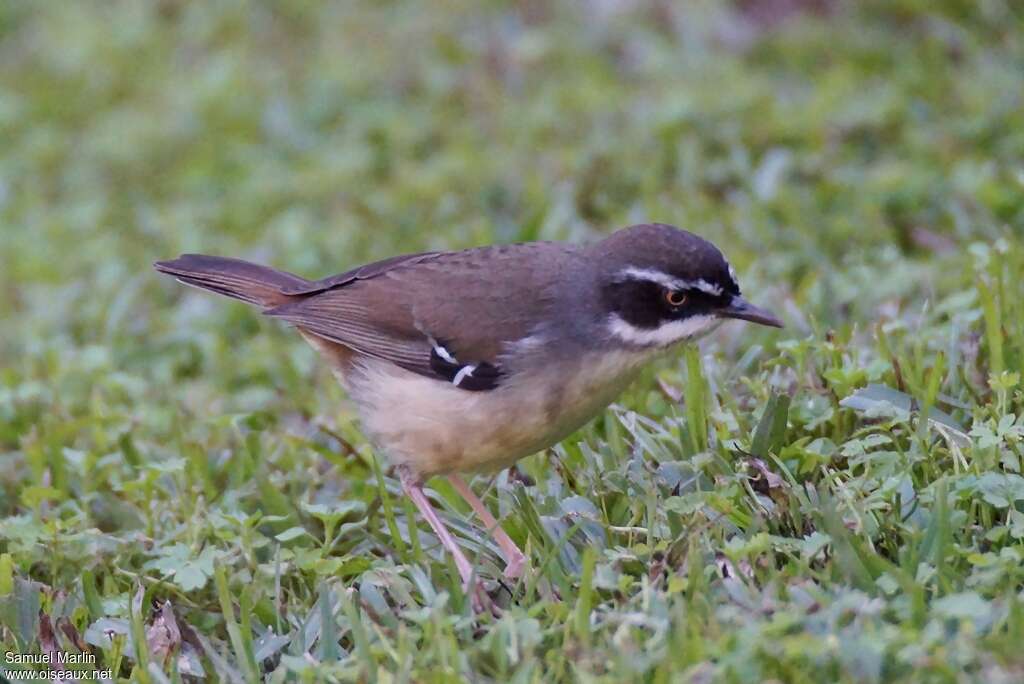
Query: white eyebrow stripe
(671, 282)
(665, 334)
(651, 275)
(704, 286)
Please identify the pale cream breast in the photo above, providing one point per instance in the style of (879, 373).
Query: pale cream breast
(431, 427)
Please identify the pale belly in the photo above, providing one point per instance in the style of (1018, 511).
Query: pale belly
(431, 427)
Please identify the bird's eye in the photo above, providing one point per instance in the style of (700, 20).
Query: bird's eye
(675, 298)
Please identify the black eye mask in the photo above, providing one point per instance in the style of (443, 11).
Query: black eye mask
(644, 304)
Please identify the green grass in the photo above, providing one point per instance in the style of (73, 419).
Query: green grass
(185, 488)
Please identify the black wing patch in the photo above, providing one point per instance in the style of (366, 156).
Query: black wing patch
(475, 377)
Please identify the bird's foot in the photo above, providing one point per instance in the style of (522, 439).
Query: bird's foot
(515, 566)
(480, 600)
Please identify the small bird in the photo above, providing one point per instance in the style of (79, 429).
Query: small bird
(468, 361)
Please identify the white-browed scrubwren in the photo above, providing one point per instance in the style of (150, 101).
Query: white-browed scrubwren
(470, 360)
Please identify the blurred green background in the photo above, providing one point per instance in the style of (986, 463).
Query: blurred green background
(861, 163)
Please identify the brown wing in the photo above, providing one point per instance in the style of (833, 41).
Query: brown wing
(359, 273)
(446, 315)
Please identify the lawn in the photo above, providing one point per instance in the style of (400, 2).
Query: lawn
(184, 489)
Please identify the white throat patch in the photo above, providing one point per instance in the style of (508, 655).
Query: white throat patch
(666, 334)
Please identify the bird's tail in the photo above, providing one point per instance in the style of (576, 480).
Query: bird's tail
(252, 283)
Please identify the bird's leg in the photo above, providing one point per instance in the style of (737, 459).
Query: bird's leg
(515, 559)
(414, 490)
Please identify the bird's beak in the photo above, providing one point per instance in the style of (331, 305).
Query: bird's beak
(744, 310)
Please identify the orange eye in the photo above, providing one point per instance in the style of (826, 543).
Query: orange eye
(675, 298)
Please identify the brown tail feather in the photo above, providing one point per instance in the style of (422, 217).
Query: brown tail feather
(252, 283)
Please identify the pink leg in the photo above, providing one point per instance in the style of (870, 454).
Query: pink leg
(479, 599)
(415, 492)
(515, 559)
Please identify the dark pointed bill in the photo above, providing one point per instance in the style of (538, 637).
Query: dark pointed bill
(744, 310)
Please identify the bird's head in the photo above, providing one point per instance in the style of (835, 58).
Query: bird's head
(660, 285)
